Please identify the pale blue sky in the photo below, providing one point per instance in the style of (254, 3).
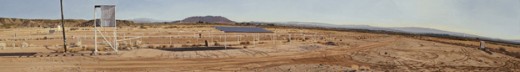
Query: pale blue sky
(491, 18)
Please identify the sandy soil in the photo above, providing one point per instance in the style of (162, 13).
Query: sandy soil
(307, 51)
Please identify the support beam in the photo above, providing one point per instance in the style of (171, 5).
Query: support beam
(116, 49)
(106, 40)
(95, 34)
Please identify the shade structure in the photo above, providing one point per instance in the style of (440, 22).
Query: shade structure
(108, 16)
(228, 29)
(107, 20)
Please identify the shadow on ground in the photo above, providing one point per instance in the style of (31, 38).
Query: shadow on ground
(197, 48)
(17, 54)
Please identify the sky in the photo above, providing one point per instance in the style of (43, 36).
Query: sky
(490, 18)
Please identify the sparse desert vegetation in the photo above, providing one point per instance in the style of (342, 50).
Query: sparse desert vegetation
(178, 47)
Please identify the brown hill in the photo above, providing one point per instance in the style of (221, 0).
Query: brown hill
(16, 22)
(207, 19)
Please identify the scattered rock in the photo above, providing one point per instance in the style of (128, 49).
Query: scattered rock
(24, 45)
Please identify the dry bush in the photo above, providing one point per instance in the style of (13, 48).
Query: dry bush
(157, 46)
(88, 48)
(184, 45)
(216, 43)
(261, 42)
(138, 44)
(170, 27)
(172, 46)
(150, 46)
(12, 45)
(164, 46)
(514, 54)
(293, 38)
(502, 49)
(245, 43)
(76, 44)
(143, 27)
(124, 45)
(197, 45)
(73, 29)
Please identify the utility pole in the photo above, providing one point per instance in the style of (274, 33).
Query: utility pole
(63, 28)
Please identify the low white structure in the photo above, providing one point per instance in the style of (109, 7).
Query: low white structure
(482, 46)
(107, 20)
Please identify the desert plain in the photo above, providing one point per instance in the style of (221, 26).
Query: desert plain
(166, 48)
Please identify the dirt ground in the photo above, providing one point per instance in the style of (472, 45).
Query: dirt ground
(179, 48)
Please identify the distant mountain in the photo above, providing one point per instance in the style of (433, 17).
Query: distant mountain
(420, 30)
(412, 30)
(516, 41)
(207, 19)
(314, 24)
(18, 22)
(146, 20)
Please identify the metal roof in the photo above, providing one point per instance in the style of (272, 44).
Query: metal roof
(242, 29)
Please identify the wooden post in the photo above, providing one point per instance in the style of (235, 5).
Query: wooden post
(63, 28)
